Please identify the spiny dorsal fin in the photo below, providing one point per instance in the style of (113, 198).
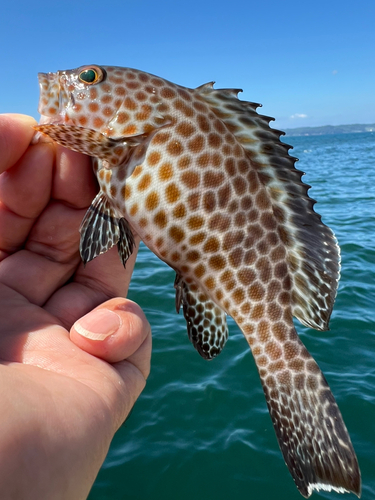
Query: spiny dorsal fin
(206, 86)
(313, 252)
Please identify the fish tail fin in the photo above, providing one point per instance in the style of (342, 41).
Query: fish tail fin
(309, 427)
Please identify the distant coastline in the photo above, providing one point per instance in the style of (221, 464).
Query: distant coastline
(331, 129)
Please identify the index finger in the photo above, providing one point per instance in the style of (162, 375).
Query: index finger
(16, 132)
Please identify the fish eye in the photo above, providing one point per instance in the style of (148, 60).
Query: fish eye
(91, 75)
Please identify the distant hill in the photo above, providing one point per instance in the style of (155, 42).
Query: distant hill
(331, 129)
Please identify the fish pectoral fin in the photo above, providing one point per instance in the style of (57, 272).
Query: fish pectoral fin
(138, 146)
(206, 322)
(309, 427)
(101, 230)
(126, 243)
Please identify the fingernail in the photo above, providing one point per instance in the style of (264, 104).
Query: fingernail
(98, 324)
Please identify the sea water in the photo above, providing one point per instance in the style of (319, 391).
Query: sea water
(201, 430)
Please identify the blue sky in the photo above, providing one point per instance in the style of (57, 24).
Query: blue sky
(308, 63)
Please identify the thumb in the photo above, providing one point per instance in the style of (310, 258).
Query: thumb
(16, 133)
(114, 331)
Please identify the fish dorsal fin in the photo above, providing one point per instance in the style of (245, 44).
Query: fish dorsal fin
(206, 86)
(313, 252)
(101, 230)
(206, 322)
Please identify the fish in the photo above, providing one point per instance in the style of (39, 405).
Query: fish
(211, 190)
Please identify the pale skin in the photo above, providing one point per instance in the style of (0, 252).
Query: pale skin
(66, 383)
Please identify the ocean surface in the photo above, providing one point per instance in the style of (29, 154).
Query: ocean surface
(201, 430)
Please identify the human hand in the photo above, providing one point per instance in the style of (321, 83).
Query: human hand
(67, 382)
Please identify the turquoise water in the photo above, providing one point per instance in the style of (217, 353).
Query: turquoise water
(201, 429)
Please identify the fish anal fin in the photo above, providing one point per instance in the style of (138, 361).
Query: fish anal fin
(309, 427)
(206, 322)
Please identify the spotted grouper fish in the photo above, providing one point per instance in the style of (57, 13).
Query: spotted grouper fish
(212, 191)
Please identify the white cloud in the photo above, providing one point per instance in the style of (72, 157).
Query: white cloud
(298, 115)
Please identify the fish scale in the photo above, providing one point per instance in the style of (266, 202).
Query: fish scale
(212, 191)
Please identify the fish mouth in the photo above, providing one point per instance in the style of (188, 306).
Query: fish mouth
(51, 106)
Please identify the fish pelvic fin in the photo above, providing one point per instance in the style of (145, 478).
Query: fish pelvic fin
(309, 427)
(313, 255)
(101, 230)
(206, 322)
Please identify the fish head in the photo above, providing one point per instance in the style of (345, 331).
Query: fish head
(107, 112)
(68, 96)
(105, 99)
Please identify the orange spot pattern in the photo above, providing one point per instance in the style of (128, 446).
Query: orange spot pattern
(198, 199)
